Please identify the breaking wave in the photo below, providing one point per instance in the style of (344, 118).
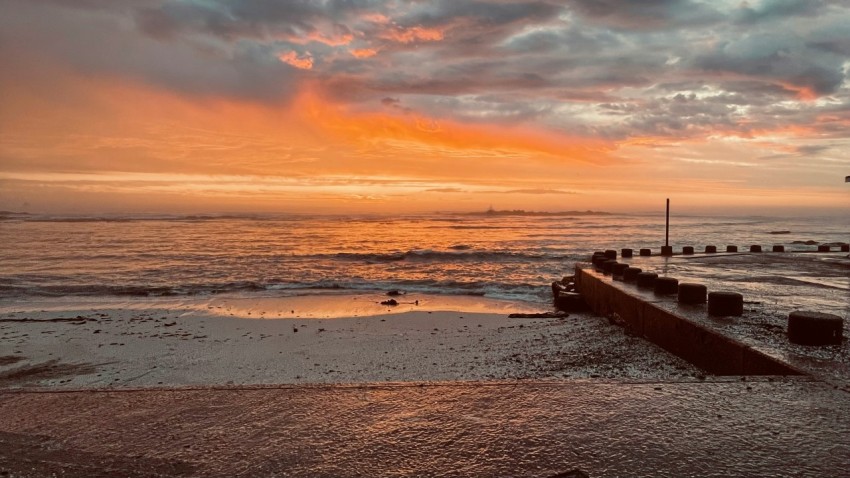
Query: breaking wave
(524, 291)
(427, 255)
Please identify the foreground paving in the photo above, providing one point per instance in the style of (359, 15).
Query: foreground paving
(731, 427)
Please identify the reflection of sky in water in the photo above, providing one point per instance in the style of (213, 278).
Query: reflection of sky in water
(330, 306)
(504, 257)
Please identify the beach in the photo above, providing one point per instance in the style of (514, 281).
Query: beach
(278, 347)
(313, 339)
(436, 386)
(142, 301)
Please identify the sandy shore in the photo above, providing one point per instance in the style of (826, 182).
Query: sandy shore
(315, 339)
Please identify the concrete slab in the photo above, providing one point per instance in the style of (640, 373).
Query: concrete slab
(764, 427)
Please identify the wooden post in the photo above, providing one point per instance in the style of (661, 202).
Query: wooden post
(667, 250)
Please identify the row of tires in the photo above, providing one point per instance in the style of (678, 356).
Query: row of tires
(689, 250)
(719, 303)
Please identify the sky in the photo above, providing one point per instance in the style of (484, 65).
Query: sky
(338, 106)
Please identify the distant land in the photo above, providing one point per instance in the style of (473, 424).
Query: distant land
(521, 212)
(131, 216)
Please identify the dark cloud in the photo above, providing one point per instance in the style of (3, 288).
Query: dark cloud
(395, 103)
(680, 114)
(646, 14)
(92, 4)
(774, 58)
(832, 36)
(812, 149)
(101, 43)
(767, 10)
(237, 19)
(605, 68)
(543, 41)
(480, 12)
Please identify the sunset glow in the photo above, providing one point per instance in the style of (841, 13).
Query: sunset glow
(227, 105)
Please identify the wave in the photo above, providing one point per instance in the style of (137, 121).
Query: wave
(460, 254)
(8, 290)
(510, 291)
(469, 227)
(13, 216)
(456, 221)
(520, 212)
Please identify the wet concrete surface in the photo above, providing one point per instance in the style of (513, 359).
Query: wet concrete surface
(781, 282)
(773, 285)
(732, 427)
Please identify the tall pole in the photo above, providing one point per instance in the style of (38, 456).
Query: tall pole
(667, 229)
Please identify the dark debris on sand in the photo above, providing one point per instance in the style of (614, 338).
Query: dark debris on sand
(50, 369)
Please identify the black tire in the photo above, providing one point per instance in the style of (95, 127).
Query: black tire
(646, 279)
(814, 328)
(666, 286)
(690, 293)
(725, 304)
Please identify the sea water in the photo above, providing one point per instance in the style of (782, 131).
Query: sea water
(501, 256)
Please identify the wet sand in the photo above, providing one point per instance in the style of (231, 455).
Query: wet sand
(272, 340)
(730, 428)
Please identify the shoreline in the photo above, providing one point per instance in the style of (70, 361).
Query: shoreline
(273, 305)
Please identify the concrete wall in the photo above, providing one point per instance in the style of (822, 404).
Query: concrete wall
(703, 347)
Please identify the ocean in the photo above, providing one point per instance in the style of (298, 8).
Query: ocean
(502, 256)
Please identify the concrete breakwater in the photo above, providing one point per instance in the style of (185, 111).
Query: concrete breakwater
(673, 331)
(732, 314)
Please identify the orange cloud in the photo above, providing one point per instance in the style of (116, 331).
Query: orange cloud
(319, 37)
(803, 93)
(364, 52)
(791, 131)
(741, 131)
(410, 35)
(292, 58)
(137, 146)
(379, 18)
(444, 139)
